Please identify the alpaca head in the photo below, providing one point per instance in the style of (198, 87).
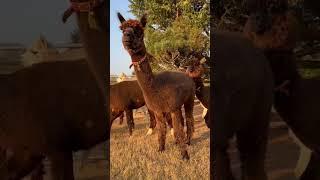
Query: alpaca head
(268, 6)
(132, 34)
(196, 70)
(262, 12)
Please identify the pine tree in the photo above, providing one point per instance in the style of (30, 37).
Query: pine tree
(177, 32)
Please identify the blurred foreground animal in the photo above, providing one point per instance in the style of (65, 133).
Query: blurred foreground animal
(242, 93)
(296, 99)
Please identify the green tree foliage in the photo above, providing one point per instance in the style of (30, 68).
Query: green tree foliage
(177, 32)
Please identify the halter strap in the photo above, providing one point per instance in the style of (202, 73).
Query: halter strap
(282, 87)
(75, 6)
(137, 63)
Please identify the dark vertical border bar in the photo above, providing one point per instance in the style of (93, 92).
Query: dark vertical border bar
(212, 72)
(108, 89)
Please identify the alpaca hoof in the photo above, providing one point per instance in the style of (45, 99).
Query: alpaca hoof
(188, 142)
(185, 156)
(150, 131)
(161, 149)
(172, 132)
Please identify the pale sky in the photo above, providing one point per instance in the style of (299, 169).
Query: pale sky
(22, 21)
(119, 58)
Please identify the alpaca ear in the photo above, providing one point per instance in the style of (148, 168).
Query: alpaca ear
(121, 18)
(143, 20)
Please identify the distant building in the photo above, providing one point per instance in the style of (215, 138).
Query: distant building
(122, 77)
(15, 56)
(42, 51)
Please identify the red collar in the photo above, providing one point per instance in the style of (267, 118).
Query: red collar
(75, 6)
(283, 87)
(137, 63)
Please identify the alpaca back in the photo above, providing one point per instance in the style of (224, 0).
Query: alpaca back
(54, 105)
(126, 95)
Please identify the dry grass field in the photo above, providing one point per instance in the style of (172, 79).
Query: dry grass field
(136, 157)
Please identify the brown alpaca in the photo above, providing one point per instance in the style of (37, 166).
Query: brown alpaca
(31, 96)
(297, 104)
(242, 93)
(314, 5)
(296, 99)
(18, 163)
(62, 108)
(126, 96)
(272, 25)
(165, 92)
(195, 71)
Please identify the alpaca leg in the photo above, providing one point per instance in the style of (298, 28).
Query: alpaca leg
(221, 168)
(37, 173)
(121, 118)
(169, 121)
(114, 115)
(179, 134)
(21, 162)
(252, 148)
(312, 171)
(207, 119)
(129, 116)
(162, 131)
(188, 107)
(153, 122)
(4, 169)
(62, 166)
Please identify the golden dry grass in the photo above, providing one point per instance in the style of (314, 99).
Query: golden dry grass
(137, 157)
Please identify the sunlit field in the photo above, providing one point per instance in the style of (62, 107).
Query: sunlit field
(137, 157)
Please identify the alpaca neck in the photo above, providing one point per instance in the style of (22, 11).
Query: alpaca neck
(200, 94)
(95, 43)
(284, 103)
(199, 83)
(144, 73)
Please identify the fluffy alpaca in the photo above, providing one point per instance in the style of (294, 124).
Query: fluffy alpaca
(126, 96)
(296, 99)
(242, 93)
(165, 92)
(31, 96)
(195, 71)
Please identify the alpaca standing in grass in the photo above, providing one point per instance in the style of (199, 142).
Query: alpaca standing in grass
(165, 92)
(242, 94)
(195, 71)
(126, 96)
(296, 99)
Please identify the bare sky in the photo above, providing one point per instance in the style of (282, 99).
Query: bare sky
(22, 21)
(119, 57)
